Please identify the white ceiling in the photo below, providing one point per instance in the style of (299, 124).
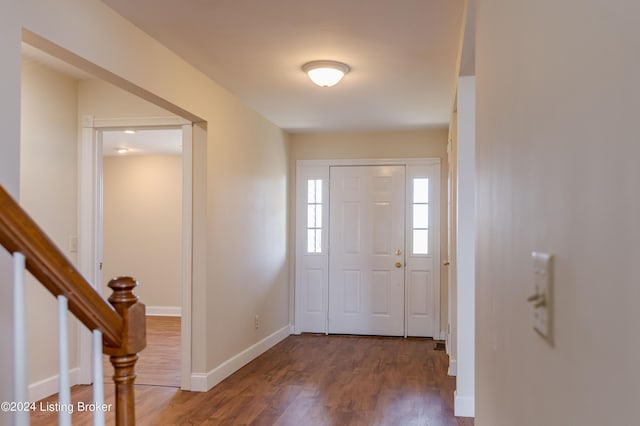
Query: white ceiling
(142, 142)
(402, 54)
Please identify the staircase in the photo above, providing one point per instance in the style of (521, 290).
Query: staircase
(119, 323)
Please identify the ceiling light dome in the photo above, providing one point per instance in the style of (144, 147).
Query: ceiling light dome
(325, 73)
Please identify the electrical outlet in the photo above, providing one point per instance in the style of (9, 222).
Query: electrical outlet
(256, 321)
(541, 299)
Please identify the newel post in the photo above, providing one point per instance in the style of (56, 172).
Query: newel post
(134, 340)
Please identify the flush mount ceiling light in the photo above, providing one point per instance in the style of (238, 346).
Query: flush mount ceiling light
(129, 132)
(325, 73)
(122, 150)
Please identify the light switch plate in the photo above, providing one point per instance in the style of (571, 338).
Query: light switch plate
(543, 287)
(73, 244)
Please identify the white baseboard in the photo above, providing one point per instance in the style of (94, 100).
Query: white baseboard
(199, 382)
(453, 367)
(443, 335)
(464, 406)
(51, 385)
(164, 311)
(203, 382)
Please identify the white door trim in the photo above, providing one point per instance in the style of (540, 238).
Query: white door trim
(89, 206)
(110, 123)
(369, 162)
(321, 169)
(187, 255)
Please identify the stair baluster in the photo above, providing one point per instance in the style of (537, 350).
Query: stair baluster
(20, 377)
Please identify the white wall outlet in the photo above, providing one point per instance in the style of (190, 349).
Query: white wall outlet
(256, 321)
(542, 298)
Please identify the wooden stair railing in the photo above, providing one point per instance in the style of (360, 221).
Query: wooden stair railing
(122, 323)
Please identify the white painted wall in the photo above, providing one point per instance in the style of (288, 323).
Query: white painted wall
(142, 226)
(557, 161)
(48, 193)
(465, 248)
(430, 143)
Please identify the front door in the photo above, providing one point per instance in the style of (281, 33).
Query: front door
(366, 257)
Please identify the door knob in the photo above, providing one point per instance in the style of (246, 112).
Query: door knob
(398, 264)
(446, 263)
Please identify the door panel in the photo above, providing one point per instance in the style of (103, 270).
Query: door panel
(420, 294)
(381, 289)
(315, 289)
(367, 213)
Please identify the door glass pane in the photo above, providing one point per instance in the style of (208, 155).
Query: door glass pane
(421, 216)
(314, 191)
(420, 241)
(314, 216)
(311, 191)
(421, 190)
(318, 191)
(314, 240)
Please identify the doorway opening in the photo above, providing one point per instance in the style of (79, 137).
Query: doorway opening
(137, 189)
(142, 236)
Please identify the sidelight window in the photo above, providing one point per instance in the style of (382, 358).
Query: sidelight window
(314, 216)
(420, 216)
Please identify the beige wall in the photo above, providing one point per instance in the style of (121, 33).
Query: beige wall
(247, 227)
(104, 100)
(48, 193)
(381, 144)
(142, 225)
(557, 163)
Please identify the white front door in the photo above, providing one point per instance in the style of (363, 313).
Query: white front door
(366, 256)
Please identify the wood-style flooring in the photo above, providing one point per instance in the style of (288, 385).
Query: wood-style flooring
(303, 381)
(159, 362)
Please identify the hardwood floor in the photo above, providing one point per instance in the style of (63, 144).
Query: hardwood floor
(304, 380)
(159, 363)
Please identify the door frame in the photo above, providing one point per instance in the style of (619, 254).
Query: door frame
(90, 222)
(308, 169)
